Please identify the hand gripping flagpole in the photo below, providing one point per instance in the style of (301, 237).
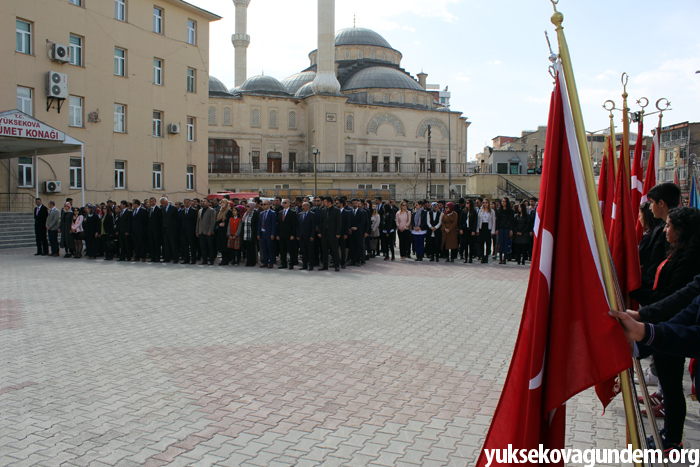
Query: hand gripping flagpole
(600, 239)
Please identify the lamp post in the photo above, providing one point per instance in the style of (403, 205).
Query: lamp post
(449, 150)
(315, 153)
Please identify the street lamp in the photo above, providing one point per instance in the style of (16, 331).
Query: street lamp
(314, 150)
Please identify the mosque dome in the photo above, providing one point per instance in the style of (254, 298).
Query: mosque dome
(216, 85)
(381, 77)
(304, 91)
(262, 84)
(296, 81)
(360, 36)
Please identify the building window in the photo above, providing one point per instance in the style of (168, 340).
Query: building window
(349, 123)
(273, 119)
(158, 71)
(157, 123)
(370, 98)
(364, 186)
(25, 172)
(157, 20)
(360, 55)
(349, 163)
(386, 98)
(387, 164)
(227, 117)
(76, 173)
(191, 79)
(255, 118)
(422, 164)
(371, 55)
(191, 32)
(119, 175)
(347, 54)
(384, 57)
(443, 165)
(255, 160)
(119, 118)
(189, 178)
(75, 111)
(190, 128)
(119, 61)
(400, 98)
(292, 120)
(292, 161)
(24, 37)
(212, 115)
(76, 50)
(76, 2)
(120, 10)
(157, 176)
(502, 168)
(397, 164)
(24, 100)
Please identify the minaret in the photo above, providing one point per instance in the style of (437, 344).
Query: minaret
(240, 41)
(326, 81)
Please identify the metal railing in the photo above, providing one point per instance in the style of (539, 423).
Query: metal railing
(16, 202)
(339, 167)
(512, 189)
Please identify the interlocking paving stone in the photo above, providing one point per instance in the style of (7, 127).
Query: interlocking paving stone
(138, 364)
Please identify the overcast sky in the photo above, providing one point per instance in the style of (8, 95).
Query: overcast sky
(493, 54)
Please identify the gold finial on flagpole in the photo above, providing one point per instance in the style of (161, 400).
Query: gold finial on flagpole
(613, 155)
(625, 146)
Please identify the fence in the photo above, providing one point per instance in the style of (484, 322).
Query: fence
(16, 202)
(333, 167)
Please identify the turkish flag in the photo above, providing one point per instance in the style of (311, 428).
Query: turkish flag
(650, 177)
(637, 185)
(567, 342)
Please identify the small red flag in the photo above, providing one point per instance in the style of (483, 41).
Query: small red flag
(650, 177)
(637, 185)
(567, 342)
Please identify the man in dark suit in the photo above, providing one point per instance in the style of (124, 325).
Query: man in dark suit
(306, 233)
(346, 219)
(122, 223)
(188, 232)
(206, 221)
(356, 232)
(155, 230)
(329, 232)
(267, 225)
(171, 231)
(139, 233)
(286, 235)
(316, 209)
(40, 216)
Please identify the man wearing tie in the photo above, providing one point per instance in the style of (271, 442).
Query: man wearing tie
(286, 235)
(306, 233)
(206, 220)
(139, 235)
(329, 232)
(123, 227)
(188, 232)
(356, 239)
(171, 231)
(266, 234)
(40, 216)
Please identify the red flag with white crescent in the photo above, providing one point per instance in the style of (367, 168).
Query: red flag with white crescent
(637, 184)
(567, 342)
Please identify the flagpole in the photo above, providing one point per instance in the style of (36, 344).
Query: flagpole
(625, 156)
(600, 238)
(613, 142)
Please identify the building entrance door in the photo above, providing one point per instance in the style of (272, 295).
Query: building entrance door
(274, 162)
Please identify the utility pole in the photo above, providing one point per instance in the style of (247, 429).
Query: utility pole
(429, 162)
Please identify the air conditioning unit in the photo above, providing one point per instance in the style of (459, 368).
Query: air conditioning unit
(60, 53)
(56, 85)
(52, 186)
(174, 129)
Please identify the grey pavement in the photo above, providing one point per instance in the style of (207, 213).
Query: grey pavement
(391, 364)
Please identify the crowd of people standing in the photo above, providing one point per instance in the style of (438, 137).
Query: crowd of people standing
(311, 232)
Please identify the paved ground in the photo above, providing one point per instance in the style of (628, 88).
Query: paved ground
(392, 364)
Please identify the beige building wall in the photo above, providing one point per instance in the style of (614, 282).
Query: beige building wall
(100, 89)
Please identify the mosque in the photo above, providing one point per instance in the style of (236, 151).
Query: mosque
(352, 122)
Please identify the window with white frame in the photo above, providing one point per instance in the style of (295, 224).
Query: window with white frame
(120, 10)
(189, 181)
(191, 80)
(25, 172)
(157, 176)
(24, 37)
(119, 118)
(120, 175)
(119, 61)
(255, 118)
(24, 100)
(273, 119)
(76, 2)
(228, 121)
(212, 116)
(190, 128)
(292, 120)
(437, 190)
(158, 71)
(76, 50)
(75, 111)
(76, 173)
(157, 20)
(191, 32)
(157, 123)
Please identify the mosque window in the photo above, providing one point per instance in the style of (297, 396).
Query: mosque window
(415, 100)
(273, 119)
(349, 123)
(212, 115)
(370, 98)
(255, 118)
(386, 98)
(292, 120)
(360, 55)
(227, 116)
(347, 54)
(400, 98)
(384, 57)
(371, 55)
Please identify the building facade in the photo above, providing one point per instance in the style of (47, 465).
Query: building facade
(680, 146)
(135, 77)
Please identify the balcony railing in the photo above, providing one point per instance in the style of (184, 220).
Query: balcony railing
(331, 167)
